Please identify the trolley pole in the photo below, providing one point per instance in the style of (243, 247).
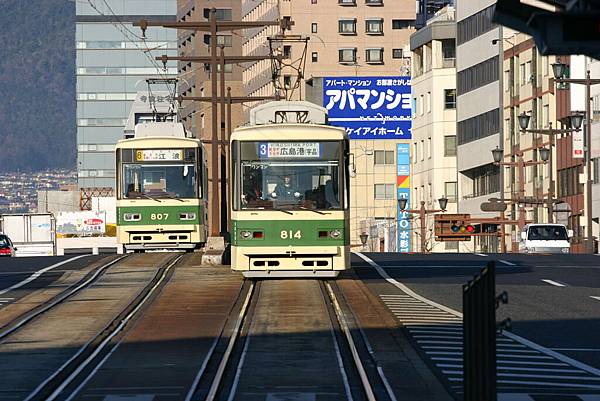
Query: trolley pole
(214, 150)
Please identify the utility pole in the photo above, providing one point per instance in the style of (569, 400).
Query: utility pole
(213, 26)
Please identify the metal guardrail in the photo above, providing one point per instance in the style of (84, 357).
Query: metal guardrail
(479, 334)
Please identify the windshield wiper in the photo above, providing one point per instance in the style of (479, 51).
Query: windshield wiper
(312, 210)
(150, 197)
(174, 197)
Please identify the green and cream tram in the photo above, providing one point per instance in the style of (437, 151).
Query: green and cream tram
(161, 181)
(290, 211)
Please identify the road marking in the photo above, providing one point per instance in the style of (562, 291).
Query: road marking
(552, 282)
(481, 254)
(517, 358)
(514, 397)
(39, 273)
(506, 262)
(595, 297)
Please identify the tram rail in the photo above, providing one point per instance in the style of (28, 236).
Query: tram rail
(223, 368)
(89, 279)
(91, 354)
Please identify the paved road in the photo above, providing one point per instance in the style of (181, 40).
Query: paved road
(552, 302)
(15, 270)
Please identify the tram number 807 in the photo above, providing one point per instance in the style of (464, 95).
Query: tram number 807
(159, 216)
(285, 234)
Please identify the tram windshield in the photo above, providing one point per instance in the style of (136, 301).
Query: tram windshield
(152, 181)
(287, 175)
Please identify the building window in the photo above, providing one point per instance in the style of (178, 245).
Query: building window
(347, 2)
(374, 56)
(287, 51)
(314, 27)
(223, 14)
(402, 23)
(385, 191)
(428, 102)
(477, 75)
(374, 26)
(451, 191)
(450, 145)
(287, 81)
(449, 98)
(315, 57)
(568, 182)
(384, 157)
(397, 53)
(421, 105)
(347, 26)
(422, 153)
(485, 179)
(596, 170)
(347, 55)
(429, 148)
(222, 40)
(313, 1)
(477, 127)
(374, 2)
(475, 25)
(415, 152)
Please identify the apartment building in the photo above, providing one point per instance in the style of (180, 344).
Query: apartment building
(478, 107)
(195, 79)
(528, 87)
(113, 60)
(433, 148)
(347, 38)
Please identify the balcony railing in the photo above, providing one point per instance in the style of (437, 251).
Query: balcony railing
(449, 62)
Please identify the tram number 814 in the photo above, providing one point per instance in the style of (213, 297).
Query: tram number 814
(159, 216)
(285, 234)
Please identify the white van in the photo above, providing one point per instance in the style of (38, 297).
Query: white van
(545, 238)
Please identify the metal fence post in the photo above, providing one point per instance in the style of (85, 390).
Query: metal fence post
(479, 336)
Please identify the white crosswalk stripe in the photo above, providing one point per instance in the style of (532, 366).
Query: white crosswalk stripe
(438, 334)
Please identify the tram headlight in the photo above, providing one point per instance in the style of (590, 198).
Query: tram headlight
(132, 216)
(246, 234)
(335, 234)
(187, 216)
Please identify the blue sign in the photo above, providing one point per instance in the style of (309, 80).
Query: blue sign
(370, 107)
(403, 187)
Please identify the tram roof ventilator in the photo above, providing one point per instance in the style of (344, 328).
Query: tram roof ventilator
(290, 112)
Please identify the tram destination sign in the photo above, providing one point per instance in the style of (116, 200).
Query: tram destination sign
(158, 155)
(289, 150)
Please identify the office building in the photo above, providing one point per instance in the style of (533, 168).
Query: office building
(113, 61)
(433, 148)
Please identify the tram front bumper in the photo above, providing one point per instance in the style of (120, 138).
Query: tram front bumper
(278, 259)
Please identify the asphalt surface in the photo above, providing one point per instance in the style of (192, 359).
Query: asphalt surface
(15, 270)
(551, 297)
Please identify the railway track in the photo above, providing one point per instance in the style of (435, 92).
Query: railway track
(88, 280)
(68, 374)
(230, 372)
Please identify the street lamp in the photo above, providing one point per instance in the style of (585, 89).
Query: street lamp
(363, 238)
(576, 120)
(423, 212)
(524, 120)
(544, 154)
(520, 164)
(497, 154)
(558, 69)
(402, 203)
(443, 201)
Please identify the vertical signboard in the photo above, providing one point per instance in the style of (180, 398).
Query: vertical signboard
(403, 188)
(369, 107)
(577, 145)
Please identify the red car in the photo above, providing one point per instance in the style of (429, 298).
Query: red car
(6, 246)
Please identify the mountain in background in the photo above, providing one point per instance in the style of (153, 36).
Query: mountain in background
(37, 85)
